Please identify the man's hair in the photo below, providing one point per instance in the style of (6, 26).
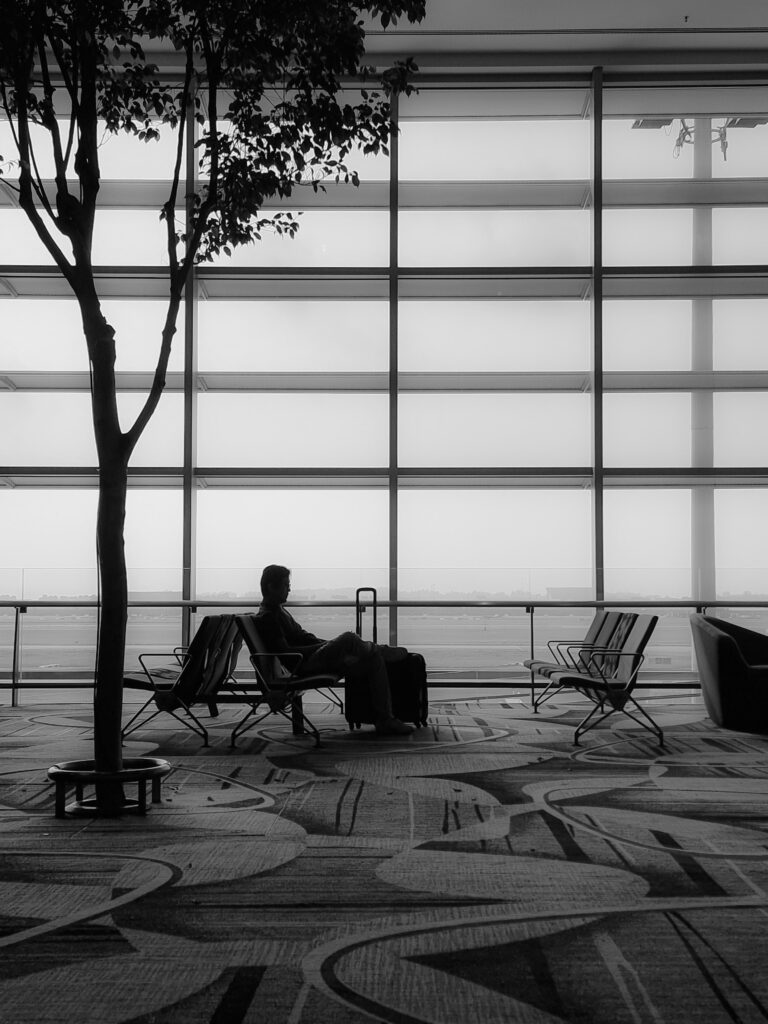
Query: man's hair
(271, 575)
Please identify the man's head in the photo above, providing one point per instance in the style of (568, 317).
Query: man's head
(275, 583)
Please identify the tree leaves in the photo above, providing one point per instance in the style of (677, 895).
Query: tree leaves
(269, 85)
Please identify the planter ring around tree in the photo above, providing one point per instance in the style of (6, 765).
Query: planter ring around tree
(83, 773)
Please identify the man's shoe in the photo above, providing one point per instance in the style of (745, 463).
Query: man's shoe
(393, 727)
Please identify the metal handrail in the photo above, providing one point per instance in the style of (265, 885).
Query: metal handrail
(21, 607)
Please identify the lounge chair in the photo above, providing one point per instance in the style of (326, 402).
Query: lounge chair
(610, 677)
(606, 632)
(733, 668)
(193, 679)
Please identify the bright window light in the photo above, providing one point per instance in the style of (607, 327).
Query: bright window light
(301, 336)
(328, 538)
(510, 150)
(494, 430)
(647, 334)
(490, 541)
(300, 430)
(647, 543)
(493, 336)
(651, 429)
(492, 238)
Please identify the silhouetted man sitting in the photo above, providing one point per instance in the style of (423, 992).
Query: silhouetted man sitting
(282, 634)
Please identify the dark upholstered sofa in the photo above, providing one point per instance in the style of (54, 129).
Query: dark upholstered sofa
(733, 669)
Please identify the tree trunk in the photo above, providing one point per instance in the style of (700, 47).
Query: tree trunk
(110, 654)
(113, 577)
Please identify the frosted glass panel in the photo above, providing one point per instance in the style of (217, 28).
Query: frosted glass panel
(630, 153)
(39, 138)
(747, 153)
(138, 334)
(121, 156)
(647, 543)
(47, 334)
(347, 238)
(341, 238)
(740, 329)
(494, 430)
(651, 429)
(19, 242)
(741, 428)
(464, 104)
(306, 430)
(41, 334)
(48, 542)
(56, 429)
(162, 443)
(502, 543)
(494, 336)
(647, 237)
(649, 133)
(739, 235)
(132, 237)
(508, 150)
(647, 334)
(476, 238)
(126, 157)
(741, 542)
(47, 528)
(293, 336)
(329, 538)
(369, 166)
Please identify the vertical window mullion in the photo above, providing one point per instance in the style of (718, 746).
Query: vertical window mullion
(598, 480)
(393, 477)
(189, 501)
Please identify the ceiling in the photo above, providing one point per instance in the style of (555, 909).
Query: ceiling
(504, 35)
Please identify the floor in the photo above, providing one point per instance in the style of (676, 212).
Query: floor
(481, 870)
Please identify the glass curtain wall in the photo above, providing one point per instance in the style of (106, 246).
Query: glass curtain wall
(525, 360)
(684, 339)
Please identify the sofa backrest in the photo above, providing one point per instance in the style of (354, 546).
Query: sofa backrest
(734, 686)
(716, 654)
(751, 645)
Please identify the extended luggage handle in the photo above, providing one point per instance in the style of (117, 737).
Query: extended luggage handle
(362, 606)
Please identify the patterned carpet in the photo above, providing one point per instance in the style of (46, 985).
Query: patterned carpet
(482, 870)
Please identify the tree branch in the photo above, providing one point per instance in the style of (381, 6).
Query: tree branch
(27, 185)
(132, 435)
(170, 205)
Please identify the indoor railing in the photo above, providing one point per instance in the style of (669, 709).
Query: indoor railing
(468, 644)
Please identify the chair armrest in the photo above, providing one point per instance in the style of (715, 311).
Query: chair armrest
(282, 655)
(143, 658)
(555, 645)
(608, 680)
(578, 662)
(180, 653)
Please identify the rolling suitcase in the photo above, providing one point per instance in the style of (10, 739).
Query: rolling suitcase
(408, 686)
(407, 679)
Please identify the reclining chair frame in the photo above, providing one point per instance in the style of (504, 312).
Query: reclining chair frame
(605, 633)
(618, 696)
(607, 676)
(209, 661)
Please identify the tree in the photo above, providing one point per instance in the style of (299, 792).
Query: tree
(262, 83)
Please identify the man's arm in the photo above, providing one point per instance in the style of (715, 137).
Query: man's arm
(298, 638)
(283, 635)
